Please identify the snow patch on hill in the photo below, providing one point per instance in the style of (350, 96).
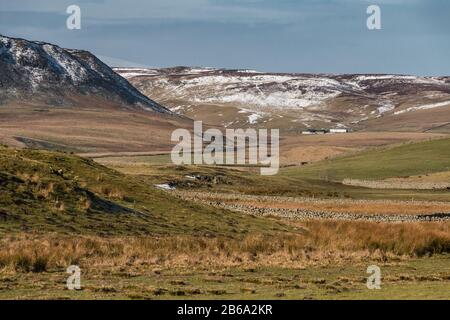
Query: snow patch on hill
(386, 106)
(424, 107)
(128, 73)
(306, 99)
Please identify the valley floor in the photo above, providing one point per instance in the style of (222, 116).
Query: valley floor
(196, 243)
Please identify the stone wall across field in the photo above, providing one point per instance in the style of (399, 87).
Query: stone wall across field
(384, 184)
(222, 201)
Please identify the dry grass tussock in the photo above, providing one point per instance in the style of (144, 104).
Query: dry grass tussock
(322, 243)
(412, 239)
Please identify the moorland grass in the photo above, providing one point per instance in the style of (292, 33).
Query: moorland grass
(43, 191)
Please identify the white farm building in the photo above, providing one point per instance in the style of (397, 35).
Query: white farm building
(339, 130)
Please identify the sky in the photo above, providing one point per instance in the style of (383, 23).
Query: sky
(307, 36)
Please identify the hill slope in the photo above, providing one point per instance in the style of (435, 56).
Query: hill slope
(382, 163)
(44, 191)
(90, 130)
(240, 98)
(33, 71)
(62, 99)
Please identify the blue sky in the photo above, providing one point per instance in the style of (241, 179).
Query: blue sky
(319, 36)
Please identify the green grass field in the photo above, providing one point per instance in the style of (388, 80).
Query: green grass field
(381, 163)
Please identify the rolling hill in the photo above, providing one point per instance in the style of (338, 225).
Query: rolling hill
(409, 159)
(65, 99)
(42, 191)
(242, 98)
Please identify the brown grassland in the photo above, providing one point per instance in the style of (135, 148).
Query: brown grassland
(325, 260)
(316, 243)
(87, 130)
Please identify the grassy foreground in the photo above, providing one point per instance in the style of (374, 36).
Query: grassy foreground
(133, 241)
(33, 267)
(416, 279)
(43, 191)
(324, 260)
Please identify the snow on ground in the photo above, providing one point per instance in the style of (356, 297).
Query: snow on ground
(424, 107)
(365, 81)
(199, 70)
(30, 53)
(262, 91)
(253, 118)
(164, 186)
(176, 109)
(128, 73)
(263, 94)
(75, 70)
(385, 106)
(384, 77)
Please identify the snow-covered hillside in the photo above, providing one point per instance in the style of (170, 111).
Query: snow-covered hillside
(299, 99)
(45, 73)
